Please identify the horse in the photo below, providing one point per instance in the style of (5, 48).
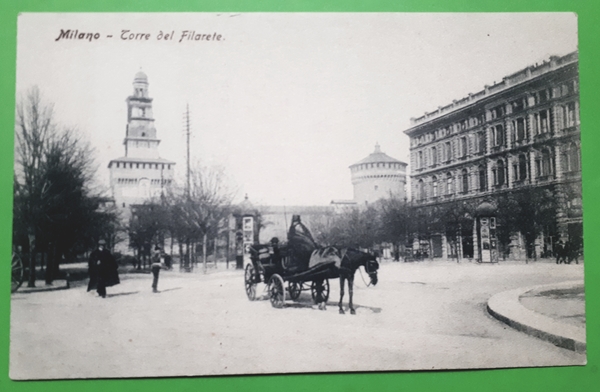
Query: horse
(351, 260)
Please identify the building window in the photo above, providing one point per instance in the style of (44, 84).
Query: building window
(546, 163)
(448, 151)
(376, 187)
(573, 158)
(497, 112)
(498, 172)
(481, 141)
(449, 184)
(420, 160)
(434, 156)
(465, 181)
(522, 167)
(434, 186)
(482, 178)
(518, 105)
(519, 125)
(570, 120)
(421, 190)
(544, 125)
(498, 135)
(463, 146)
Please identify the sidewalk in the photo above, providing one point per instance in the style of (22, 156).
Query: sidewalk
(555, 313)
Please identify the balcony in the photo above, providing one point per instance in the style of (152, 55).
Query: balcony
(572, 174)
(570, 129)
(545, 178)
(541, 137)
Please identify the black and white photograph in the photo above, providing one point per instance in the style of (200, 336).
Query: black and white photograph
(201, 194)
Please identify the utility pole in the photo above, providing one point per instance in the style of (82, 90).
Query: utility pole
(186, 120)
(187, 134)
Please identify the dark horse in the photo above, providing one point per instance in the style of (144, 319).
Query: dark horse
(353, 259)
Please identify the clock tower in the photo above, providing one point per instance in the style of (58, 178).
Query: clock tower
(141, 174)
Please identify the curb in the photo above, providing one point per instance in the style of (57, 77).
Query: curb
(506, 307)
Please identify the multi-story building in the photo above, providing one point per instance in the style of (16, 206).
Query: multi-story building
(141, 173)
(522, 132)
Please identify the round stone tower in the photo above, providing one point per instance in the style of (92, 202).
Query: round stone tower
(378, 176)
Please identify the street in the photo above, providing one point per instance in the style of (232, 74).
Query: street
(426, 315)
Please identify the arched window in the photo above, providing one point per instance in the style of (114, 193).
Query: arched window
(434, 186)
(465, 181)
(449, 184)
(522, 167)
(434, 156)
(421, 190)
(448, 151)
(482, 178)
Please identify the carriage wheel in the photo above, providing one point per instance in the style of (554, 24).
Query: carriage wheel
(295, 289)
(320, 287)
(249, 281)
(276, 291)
(17, 273)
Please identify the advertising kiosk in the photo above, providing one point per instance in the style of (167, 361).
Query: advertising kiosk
(485, 227)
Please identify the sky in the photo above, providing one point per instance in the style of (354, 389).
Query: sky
(283, 102)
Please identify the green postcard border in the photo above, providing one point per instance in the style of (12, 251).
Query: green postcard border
(577, 378)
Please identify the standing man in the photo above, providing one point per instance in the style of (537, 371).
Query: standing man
(102, 270)
(156, 266)
(560, 253)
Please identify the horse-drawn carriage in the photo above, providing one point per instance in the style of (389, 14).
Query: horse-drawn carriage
(304, 266)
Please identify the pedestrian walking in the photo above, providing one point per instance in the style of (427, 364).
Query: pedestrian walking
(102, 269)
(559, 250)
(156, 267)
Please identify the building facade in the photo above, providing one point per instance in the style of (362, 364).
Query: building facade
(520, 133)
(141, 173)
(378, 176)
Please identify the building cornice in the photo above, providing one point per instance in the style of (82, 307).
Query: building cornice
(490, 93)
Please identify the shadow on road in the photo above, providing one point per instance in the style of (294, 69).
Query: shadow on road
(308, 304)
(171, 289)
(120, 294)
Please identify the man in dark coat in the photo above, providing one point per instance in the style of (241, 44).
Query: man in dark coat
(102, 269)
(157, 264)
(559, 250)
(300, 243)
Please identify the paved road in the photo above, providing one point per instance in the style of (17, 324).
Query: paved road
(428, 315)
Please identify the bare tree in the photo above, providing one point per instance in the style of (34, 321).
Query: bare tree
(55, 210)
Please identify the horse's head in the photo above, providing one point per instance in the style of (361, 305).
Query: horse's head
(371, 266)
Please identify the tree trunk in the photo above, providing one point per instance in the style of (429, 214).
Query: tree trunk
(204, 240)
(31, 282)
(227, 250)
(187, 255)
(50, 264)
(181, 260)
(215, 250)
